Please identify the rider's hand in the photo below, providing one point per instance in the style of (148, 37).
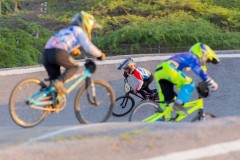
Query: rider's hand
(76, 52)
(212, 85)
(125, 74)
(102, 57)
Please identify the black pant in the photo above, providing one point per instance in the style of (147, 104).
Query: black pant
(54, 58)
(145, 87)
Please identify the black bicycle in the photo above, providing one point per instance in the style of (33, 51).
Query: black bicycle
(124, 104)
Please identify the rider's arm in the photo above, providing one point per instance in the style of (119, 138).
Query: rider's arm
(138, 76)
(87, 45)
(196, 67)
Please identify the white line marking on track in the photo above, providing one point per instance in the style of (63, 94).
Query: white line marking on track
(137, 59)
(203, 152)
(55, 133)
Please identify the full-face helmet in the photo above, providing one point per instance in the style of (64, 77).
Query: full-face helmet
(203, 51)
(86, 21)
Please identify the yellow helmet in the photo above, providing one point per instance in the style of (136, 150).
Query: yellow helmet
(200, 50)
(86, 21)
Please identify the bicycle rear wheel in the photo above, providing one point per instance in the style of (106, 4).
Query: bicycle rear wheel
(203, 117)
(144, 110)
(123, 105)
(21, 113)
(86, 111)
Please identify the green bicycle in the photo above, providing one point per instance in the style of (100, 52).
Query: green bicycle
(32, 100)
(149, 111)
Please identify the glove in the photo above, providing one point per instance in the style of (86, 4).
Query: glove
(125, 74)
(103, 56)
(76, 52)
(212, 85)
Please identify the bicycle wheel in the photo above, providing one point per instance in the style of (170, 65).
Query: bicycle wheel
(123, 105)
(203, 117)
(21, 113)
(88, 112)
(143, 110)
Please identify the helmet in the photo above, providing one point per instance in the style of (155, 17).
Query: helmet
(202, 50)
(86, 21)
(126, 64)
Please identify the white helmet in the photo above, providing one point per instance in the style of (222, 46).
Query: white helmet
(126, 64)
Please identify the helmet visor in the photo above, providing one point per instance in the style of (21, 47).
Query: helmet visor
(97, 25)
(125, 64)
(211, 56)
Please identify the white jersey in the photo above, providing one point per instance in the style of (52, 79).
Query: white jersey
(71, 38)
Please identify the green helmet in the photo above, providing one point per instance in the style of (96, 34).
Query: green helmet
(200, 50)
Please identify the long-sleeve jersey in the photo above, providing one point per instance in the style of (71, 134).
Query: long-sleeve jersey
(141, 74)
(189, 60)
(71, 38)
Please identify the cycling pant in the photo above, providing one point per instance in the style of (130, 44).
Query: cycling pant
(145, 87)
(53, 59)
(167, 76)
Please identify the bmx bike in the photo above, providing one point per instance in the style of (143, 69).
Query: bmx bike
(32, 99)
(124, 104)
(149, 111)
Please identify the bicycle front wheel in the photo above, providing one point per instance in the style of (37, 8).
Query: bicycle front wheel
(21, 113)
(144, 110)
(89, 112)
(123, 105)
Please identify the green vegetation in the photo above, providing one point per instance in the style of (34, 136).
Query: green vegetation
(129, 25)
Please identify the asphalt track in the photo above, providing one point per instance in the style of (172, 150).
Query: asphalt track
(224, 103)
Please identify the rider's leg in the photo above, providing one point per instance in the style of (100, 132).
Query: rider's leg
(146, 84)
(165, 87)
(68, 62)
(141, 91)
(53, 59)
(186, 87)
(167, 71)
(48, 59)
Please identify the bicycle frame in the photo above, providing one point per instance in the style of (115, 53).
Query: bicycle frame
(191, 107)
(39, 102)
(130, 91)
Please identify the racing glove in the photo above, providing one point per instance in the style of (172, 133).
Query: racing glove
(212, 85)
(76, 52)
(125, 74)
(102, 57)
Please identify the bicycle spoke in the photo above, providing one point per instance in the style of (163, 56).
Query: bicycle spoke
(91, 113)
(21, 112)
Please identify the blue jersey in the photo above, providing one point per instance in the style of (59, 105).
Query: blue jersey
(189, 60)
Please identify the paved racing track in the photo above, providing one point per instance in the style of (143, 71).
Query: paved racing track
(224, 103)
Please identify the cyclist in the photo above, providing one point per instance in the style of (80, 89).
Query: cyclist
(170, 73)
(57, 50)
(143, 76)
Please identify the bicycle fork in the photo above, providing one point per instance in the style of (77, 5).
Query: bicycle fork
(90, 88)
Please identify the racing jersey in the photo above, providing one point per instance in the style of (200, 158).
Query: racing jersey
(71, 38)
(189, 60)
(141, 74)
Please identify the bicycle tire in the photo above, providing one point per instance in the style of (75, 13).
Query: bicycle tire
(125, 106)
(143, 110)
(31, 117)
(85, 110)
(204, 116)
